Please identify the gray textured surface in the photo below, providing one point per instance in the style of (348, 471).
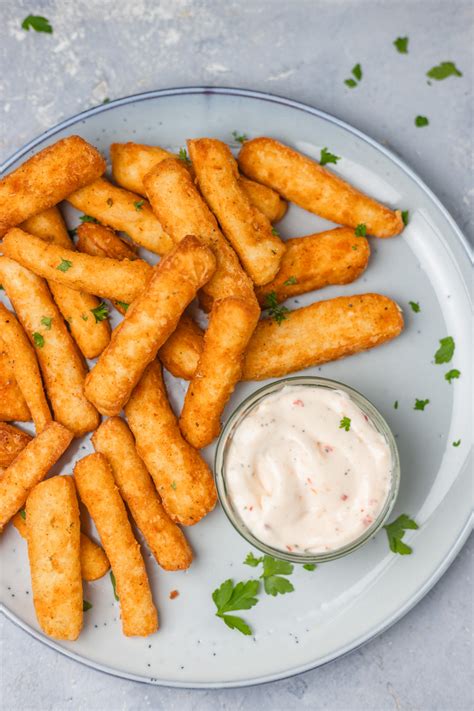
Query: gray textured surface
(304, 50)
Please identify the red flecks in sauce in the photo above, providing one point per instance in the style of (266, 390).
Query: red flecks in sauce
(344, 497)
(298, 403)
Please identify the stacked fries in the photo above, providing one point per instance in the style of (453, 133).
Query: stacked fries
(210, 219)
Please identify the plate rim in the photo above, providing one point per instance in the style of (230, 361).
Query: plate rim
(468, 525)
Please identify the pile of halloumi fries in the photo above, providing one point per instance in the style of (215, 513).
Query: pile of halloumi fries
(210, 219)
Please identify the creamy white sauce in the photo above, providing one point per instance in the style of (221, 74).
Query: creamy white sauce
(298, 480)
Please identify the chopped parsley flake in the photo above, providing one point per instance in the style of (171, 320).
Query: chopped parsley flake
(443, 71)
(240, 137)
(309, 566)
(65, 265)
(173, 485)
(275, 232)
(275, 311)
(361, 230)
(47, 321)
(327, 157)
(421, 121)
(101, 312)
(401, 44)
(114, 585)
(290, 281)
(396, 531)
(395, 405)
(452, 374)
(138, 205)
(405, 217)
(345, 424)
(123, 305)
(456, 444)
(420, 404)
(415, 306)
(23, 512)
(88, 218)
(182, 155)
(38, 339)
(445, 351)
(86, 605)
(37, 23)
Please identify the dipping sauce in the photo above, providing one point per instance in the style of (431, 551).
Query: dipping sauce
(307, 471)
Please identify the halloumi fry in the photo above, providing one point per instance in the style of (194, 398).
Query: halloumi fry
(25, 367)
(47, 178)
(61, 364)
(182, 211)
(325, 331)
(183, 479)
(123, 211)
(149, 320)
(12, 403)
(166, 540)
(30, 467)
(12, 442)
(90, 331)
(312, 262)
(250, 233)
(181, 352)
(109, 278)
(97, 489)
(100, 241)
(132, 161)
(231, 325)
(94, 562)
(53, 536)
(306, 183)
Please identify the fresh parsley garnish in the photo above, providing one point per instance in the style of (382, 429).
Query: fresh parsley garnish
(456, 444)
(405, 217)
(309, 566)
(229, 598)
(138, 205)
(273, 569)
(275, 232)
(240, 137)
(290, 281)
(106, 100)
(101, 312)
(47, 321)
(114, 585)
(23, 512)
(84, 317)
(443, 71)
(173, 485)
(183, 155)
(357, 73)
(415, 306)
(401, 44)
(396, 531)
(445, 351)
(452, 374)
(88, 218)
(37, 23)
(345, 424)
(395, 405)
(327, 157)
(38, 339)
(123, 304)
(351, 83)
(86, 605)
(420, 404)
(361, 230)
(275, 311)
(252, 560)
(65, 265)
(421, 121)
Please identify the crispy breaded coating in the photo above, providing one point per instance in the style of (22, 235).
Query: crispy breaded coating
(12, 403)
(181, 352)
(12, 441)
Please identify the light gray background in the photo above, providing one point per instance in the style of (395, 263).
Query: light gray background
(303, 49)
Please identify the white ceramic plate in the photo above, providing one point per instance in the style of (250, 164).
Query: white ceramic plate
(346, 602)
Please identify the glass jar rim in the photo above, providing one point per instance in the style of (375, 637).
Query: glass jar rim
(244, 408)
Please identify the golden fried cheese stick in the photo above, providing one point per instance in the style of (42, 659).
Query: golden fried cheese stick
(322, 332)
(132, 161)
(53, 536)
(61, 364)
(25, 367)
(12, 403)
(250, 233)
(81, 311)
(182, 477)
(12, 441)
(182, 211)
(97, 489)
(100, 241)
(123, 211)
(114, 440)
(30, 467)
(47, 178)
(231, 325)
(109, 278)
(150, 319)
(312, 262)
(94, 562)
(304, 182)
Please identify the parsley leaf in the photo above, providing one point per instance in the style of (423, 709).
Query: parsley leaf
(405, 217)
(23, 512)
(236, 623)
(443, 71)
(421, 121)
(274, 309)
(252, 560)
(106, 100)
(395, 405)
(415, 306)
(456, 444)
(47, 321)
(114, 585)
(327, 157)
(401, 43)
(123, 304)
(445, 351)
(396, 531)
(452, 374)
(420, 404)
(173, 485)
(65, 265)
(290, 281)
(228, 598)
(345, 424)
(86, 605)
(275, 232)
(84, 317)
(357, 72)
(361, 230)
(37, 23)
(310, 566)
(38, 339)
(273, 569)
(350, 83)
(240, 138)
(101, 312)
(88, 218)
(182, 155)
(138, 205)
